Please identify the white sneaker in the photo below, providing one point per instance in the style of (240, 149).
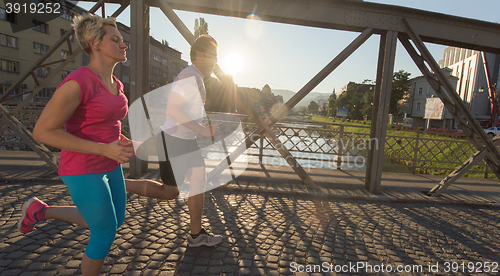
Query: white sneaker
(204, 238)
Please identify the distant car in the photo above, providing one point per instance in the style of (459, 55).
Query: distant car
(492, 131)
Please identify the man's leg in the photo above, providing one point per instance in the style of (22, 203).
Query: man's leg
(197, 178)
(196, 201)
(151, 188)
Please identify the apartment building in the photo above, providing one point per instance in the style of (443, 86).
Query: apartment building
(21, 46)
(24, 39)
(468, 66)
(415, 106)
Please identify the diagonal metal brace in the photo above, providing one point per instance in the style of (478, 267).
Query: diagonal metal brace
(297, 168)
(461, 170)
(26, 135)
(472, 129)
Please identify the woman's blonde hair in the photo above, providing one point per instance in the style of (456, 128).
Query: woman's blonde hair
(90, 26)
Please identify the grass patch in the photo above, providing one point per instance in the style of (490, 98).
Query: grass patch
(438, 153)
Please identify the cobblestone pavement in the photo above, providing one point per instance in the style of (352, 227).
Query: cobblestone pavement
(265, 234)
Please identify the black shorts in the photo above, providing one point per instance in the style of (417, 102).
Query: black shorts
(185, 154)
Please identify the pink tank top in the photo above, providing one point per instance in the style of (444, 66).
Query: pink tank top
(97, 119)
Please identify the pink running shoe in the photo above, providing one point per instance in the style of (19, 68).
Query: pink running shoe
(33, 209)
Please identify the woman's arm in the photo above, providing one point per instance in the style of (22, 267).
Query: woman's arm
(57, 112)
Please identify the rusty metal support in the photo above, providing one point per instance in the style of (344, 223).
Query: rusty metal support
(139, 69)
(268, 132)
(380, 113)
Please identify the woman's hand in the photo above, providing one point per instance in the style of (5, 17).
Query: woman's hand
(118, 150)
(133, 144)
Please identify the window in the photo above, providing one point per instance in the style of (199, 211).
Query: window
(42, 71)
(9, 41)
(127, 43)
(418, 107)
(420, 90)
(64, 73)
(40, 26)
(40, 48)
(71, 38)
(66, 15)
(5, 87)
(125, 79)
(9, 66)
(156, 71)
(156, 57)
(430, 91)
(65, 55)
(10, 17)
(45, 93)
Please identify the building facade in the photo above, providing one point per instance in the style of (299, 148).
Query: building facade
(20, 48)
(415, 106)
(468, 66)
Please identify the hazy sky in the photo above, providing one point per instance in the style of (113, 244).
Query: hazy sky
(288, 56)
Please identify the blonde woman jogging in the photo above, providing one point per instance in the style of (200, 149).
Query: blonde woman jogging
(89, 104)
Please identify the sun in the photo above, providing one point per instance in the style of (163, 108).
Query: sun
(233, 63)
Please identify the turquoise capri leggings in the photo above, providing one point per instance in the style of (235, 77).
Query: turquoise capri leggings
(101, 198)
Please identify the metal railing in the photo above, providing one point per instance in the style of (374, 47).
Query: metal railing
(324, 145)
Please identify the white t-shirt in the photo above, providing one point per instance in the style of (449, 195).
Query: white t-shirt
(188, 84)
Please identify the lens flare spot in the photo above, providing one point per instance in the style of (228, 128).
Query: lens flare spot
(254, 26)
(233, 63)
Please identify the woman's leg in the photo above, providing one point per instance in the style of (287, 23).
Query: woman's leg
(65, 213)
(93, 197)
(118, 193)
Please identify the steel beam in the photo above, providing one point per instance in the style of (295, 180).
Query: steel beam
(139, 68)
(294, 164)
(355, 16)
(380, 113)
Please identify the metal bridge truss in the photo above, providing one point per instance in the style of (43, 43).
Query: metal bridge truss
(411, 27)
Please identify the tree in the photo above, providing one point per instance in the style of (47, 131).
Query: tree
(400, 90)
(331, 105)
(368, 108)
(200, 27)
(353, 100)
(313, 107)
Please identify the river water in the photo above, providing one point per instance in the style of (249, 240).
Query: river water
(296, 145)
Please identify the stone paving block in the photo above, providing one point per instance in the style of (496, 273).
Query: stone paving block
(289, 230)
(132, 273)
